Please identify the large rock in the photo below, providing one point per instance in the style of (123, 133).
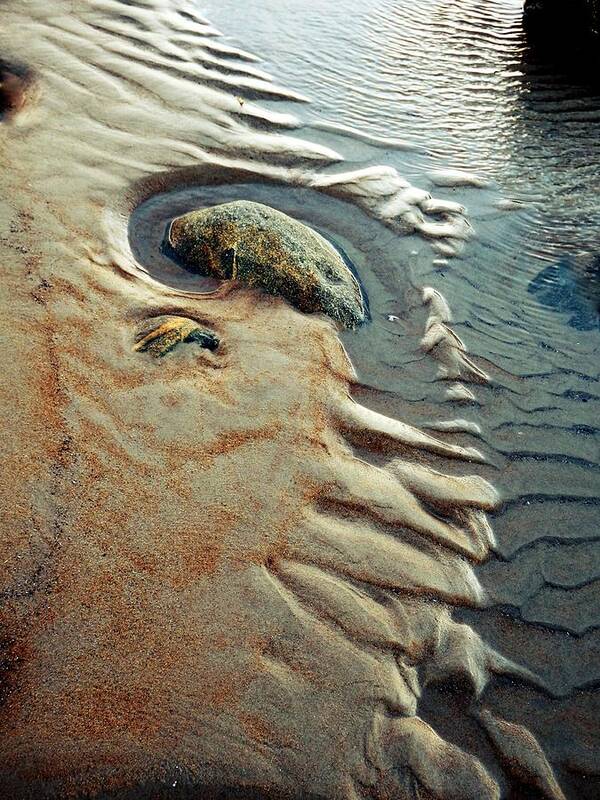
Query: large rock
(262, 247)
(565, 26)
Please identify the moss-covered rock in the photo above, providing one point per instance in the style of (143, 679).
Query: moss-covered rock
(166, 335)
(262, 247)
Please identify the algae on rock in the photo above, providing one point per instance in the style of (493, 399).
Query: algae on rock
(263, 247)
(166, 335)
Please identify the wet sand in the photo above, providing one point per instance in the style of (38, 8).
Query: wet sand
(240, 570)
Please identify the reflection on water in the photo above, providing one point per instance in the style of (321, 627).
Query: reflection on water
(556, 287)
(456, 80)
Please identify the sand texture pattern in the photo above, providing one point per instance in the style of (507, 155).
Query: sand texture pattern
(221, 575)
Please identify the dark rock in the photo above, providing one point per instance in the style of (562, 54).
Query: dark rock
(568, 28)
(16, 83)
(559, 287)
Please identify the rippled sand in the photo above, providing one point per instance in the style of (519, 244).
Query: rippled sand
(238, 571)
(455, 84)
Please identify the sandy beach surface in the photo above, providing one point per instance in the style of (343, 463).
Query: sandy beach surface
(227, 573)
